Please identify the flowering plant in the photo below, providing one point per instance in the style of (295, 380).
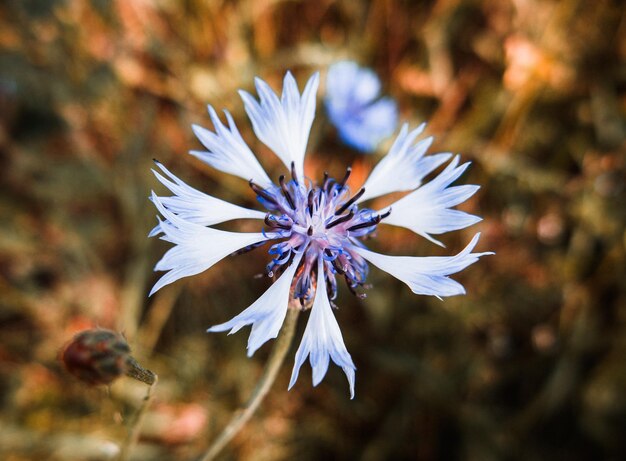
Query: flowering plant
(316, 229)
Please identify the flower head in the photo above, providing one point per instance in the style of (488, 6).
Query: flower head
(100, 357)
(315, 228)
(97, 356)
(362, 118)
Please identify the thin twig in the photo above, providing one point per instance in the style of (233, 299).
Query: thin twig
(241, 417)
(133, 433)
(156, 318)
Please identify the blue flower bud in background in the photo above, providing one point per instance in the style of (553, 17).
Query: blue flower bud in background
(363, 119)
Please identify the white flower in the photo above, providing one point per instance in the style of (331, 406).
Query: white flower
(315, 229)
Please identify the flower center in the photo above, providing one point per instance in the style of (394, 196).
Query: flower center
(317, 221)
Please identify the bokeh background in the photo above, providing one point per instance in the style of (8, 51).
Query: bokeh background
(530, 365)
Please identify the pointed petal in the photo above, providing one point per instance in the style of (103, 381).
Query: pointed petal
(427, 210)
(227, 151)
(197, 248)
(266, 314)
(426, 275)
(156, 230)
(195, 206)
(284, 124)
(404, 167)
(322, 340)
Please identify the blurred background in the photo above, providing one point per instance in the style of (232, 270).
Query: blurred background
(530, 365)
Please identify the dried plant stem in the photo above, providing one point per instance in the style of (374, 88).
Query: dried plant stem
(156, 318)
(241, 416)
(133, 433)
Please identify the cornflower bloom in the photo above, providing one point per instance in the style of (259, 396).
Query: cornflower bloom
(315, 228)
(363, 119)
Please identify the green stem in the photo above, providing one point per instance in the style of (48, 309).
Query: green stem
(275, 361)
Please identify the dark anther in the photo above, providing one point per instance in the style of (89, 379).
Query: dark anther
(345, 206)
(274, 222)
(337, 267)
(384, 215)
(248, 248)
(309, 231)
(258, 190)
(334, 262)
(286, 193)
(371, 222)
(310, 202)
(325, 181)
(293, 172)
(350, 285)
(345, 218)
(345, 178)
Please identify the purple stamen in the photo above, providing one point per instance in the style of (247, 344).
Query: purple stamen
(298, 229)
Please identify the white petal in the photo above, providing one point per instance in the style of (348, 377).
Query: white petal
(228, 152)
(426, 275)
(427, 210)
(284, 124)
(197, 248)
(404, 167)
(322, 340)
(266, 314)
(198, 207)
(156, 230)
